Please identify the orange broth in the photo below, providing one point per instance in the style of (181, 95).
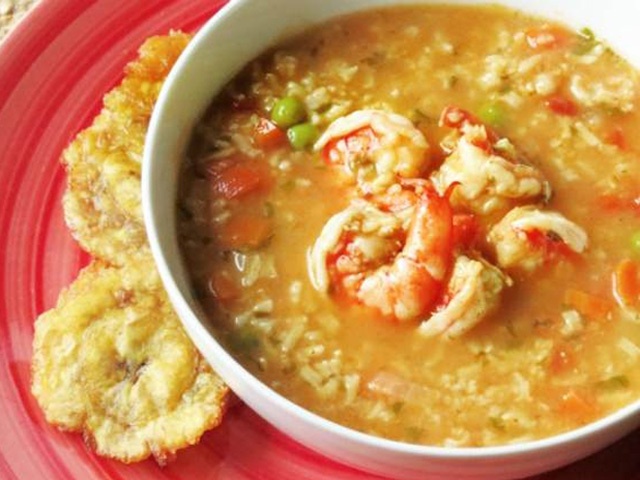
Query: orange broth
(560, 351)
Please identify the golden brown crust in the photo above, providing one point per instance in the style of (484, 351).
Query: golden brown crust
(102, 201)
(111, 360)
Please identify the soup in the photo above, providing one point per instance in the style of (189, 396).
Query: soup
(422, 223)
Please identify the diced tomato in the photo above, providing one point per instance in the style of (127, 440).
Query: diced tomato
(356, 144)
(546, 37)
(466, 230)
(578, 405)
(548, 242)
(616, 137)
(587, 304)
(238, 176)
(244, 230)
(267, 134)
(626, 283)
(562, 359)
(619, 203)
(223, 287)
(562, 105)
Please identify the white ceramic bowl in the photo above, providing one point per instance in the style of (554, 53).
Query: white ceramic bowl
(238, 33)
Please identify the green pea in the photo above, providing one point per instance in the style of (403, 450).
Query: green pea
(493, 114)
(287, 112)
(635, 242)
(302, 135)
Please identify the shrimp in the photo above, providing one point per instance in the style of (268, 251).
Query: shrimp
(473, 293)
(527, 237)
(392, 258)
(374, 147)
(491, 178)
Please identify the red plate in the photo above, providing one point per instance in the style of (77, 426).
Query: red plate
(54, 70)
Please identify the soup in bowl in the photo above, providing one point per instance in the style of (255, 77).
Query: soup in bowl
(406, 235)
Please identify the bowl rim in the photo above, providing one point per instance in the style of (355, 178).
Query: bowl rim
(210, 347)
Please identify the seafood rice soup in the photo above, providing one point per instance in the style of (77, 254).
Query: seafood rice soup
(424, 226)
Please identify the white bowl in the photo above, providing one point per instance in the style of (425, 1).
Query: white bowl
(238, 33)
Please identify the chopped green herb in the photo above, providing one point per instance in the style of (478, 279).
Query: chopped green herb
(418, 116)
(396, 407)
(497, 423)
(288, 185)
(586, 41)
(243, 341)
(376, 58)
(268, 209)
(617, 382)
(414, 434)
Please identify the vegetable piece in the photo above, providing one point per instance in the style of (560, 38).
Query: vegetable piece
(586, 41)
(498, 423)
(223, 287)
(244, 341)
(587, 304)
(577, 405)
(561, 105)
(302, 136)
(616, 137)
(626, 283)
(617, 382)
(288, 111)
(617, 203)
(237, 176)
(635, 242)
(493, 114)
(267, 135)
(562, 359)
(546, 37)
(244, 231)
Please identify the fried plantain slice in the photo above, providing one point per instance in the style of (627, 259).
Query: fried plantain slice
(112, 360)
(102, 200)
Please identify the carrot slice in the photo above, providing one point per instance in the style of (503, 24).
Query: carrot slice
(577, 405)
(237, 176)
(562, 359)
(546, 37)
(267, 135)
(587, 304)
(244, 230)
(223, 287)
(626, 283)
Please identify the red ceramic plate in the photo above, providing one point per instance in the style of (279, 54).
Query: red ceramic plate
(54, 70)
